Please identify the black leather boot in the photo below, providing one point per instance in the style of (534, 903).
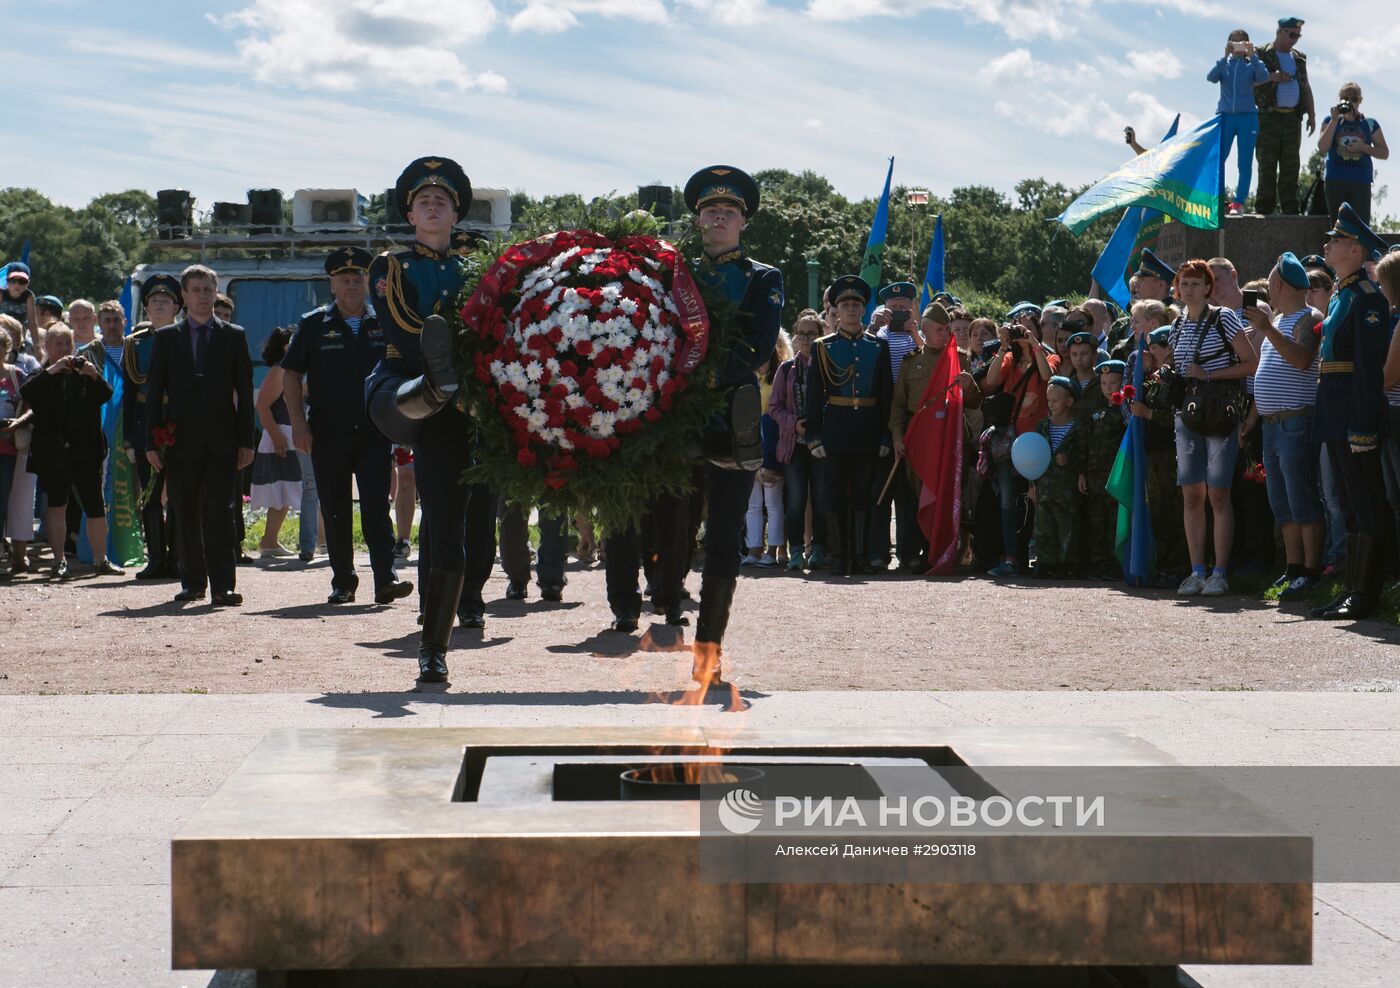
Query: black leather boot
(860, 559)
(439, 614)
(1325, 612)
(716, 598)
(840, 543)
(398, 407)
(1363, 583)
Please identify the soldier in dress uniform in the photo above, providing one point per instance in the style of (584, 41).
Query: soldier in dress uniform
(724, 199)
(1351, 416)
(848, 419)
(335, 348)
(161, 303)
(410, 396)
(900, 298)
(1152, 280)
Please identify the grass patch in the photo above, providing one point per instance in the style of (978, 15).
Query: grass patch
(1324, 593)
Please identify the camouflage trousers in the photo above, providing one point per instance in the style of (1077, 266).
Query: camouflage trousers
(1100, 527)
(1277, 152)
(1164, 504)
(1056, 529)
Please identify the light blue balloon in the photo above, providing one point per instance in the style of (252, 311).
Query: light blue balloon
(1030, 455)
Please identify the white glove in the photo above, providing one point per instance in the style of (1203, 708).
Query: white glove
(819, 452)
(884, 451)
(131, 454)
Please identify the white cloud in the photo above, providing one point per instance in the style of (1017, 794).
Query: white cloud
(1154, 64)
(1018, 19)
(354, 44)
(731, 13)
(553, 16)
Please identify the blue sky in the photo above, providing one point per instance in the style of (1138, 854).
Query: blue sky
(597, 95)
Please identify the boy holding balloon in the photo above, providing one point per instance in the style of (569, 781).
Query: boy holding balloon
(1058, 492)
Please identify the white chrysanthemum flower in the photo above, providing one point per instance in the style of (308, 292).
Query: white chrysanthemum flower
(534, 371)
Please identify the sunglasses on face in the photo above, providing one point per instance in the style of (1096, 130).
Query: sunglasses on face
(1295, 35)
(19, 279)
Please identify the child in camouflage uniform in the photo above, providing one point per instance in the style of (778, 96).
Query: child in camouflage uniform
(1163, 495)
(1105, 425)
(1059, 490)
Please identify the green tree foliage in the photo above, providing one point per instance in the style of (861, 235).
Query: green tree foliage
(77, 253)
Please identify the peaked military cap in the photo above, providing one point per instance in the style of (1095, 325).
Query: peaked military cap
(1291, 270)
(1083, 337)
(1110, 367)
(348, 259)
(722, 183)
(1152, 266)
(1353, 227)
(167, 283)
(849, 286)
(899, 289)
(442, 172)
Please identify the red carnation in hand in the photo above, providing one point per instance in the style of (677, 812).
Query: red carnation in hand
(1129, 392)
(1116, 398)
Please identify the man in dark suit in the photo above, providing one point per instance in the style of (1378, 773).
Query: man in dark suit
(201, 383)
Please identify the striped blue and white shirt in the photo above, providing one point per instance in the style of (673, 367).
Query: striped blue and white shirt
(901, 346)
(1278, 385)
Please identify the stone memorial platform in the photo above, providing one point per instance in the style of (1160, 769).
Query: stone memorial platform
(465, 856)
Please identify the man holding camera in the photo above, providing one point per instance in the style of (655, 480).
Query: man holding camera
(1284, 99)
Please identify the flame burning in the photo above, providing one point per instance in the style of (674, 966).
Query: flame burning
(689, 773)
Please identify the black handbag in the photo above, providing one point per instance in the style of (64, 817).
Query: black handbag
(1213, 408)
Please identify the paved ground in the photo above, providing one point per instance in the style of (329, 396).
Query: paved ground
(787, 633)
(92, 789)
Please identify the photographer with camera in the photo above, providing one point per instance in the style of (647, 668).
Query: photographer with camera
(68, 446)
(1350, 140)
(1238, 72)
(1020, 368)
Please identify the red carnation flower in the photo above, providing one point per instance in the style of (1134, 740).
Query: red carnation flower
(568, 368)
(583, 347)
(555, 481)
(1116, 398)
(594, 395)
(525, 458)
(652, 414)
(1129, 392)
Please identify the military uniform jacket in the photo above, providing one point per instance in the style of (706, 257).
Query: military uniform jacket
(913, 379)
(406, 287)
(1060, 481)
(1103, 433)
(849, 396)
(136, 364)
(336, 360)
(1266, 96)
(756, 290)
(1351, 405)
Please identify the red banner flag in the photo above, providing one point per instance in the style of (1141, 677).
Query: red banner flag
(933, 448)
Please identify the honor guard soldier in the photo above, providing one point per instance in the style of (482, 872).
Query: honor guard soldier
(335, 348)
(161, 302)
(1351, 416)
(723, 200)
(848, 418)
(410, 394)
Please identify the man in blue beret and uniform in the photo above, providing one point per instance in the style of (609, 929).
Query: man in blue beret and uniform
(1351, 416)
(160, 302)
(848, 414)
(1284, 99)
(724, 199)
(336, 347)
(410, 395)
(900, 298)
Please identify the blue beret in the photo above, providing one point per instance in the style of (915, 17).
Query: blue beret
(899, 289)
(1060, 381)
(1291, 270)
(1161, 336)
(848, 286)
(1063, 303)
(1110, 367)
(1352, 227)
(50, 302)
(1290, 22)
(1088, 338)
